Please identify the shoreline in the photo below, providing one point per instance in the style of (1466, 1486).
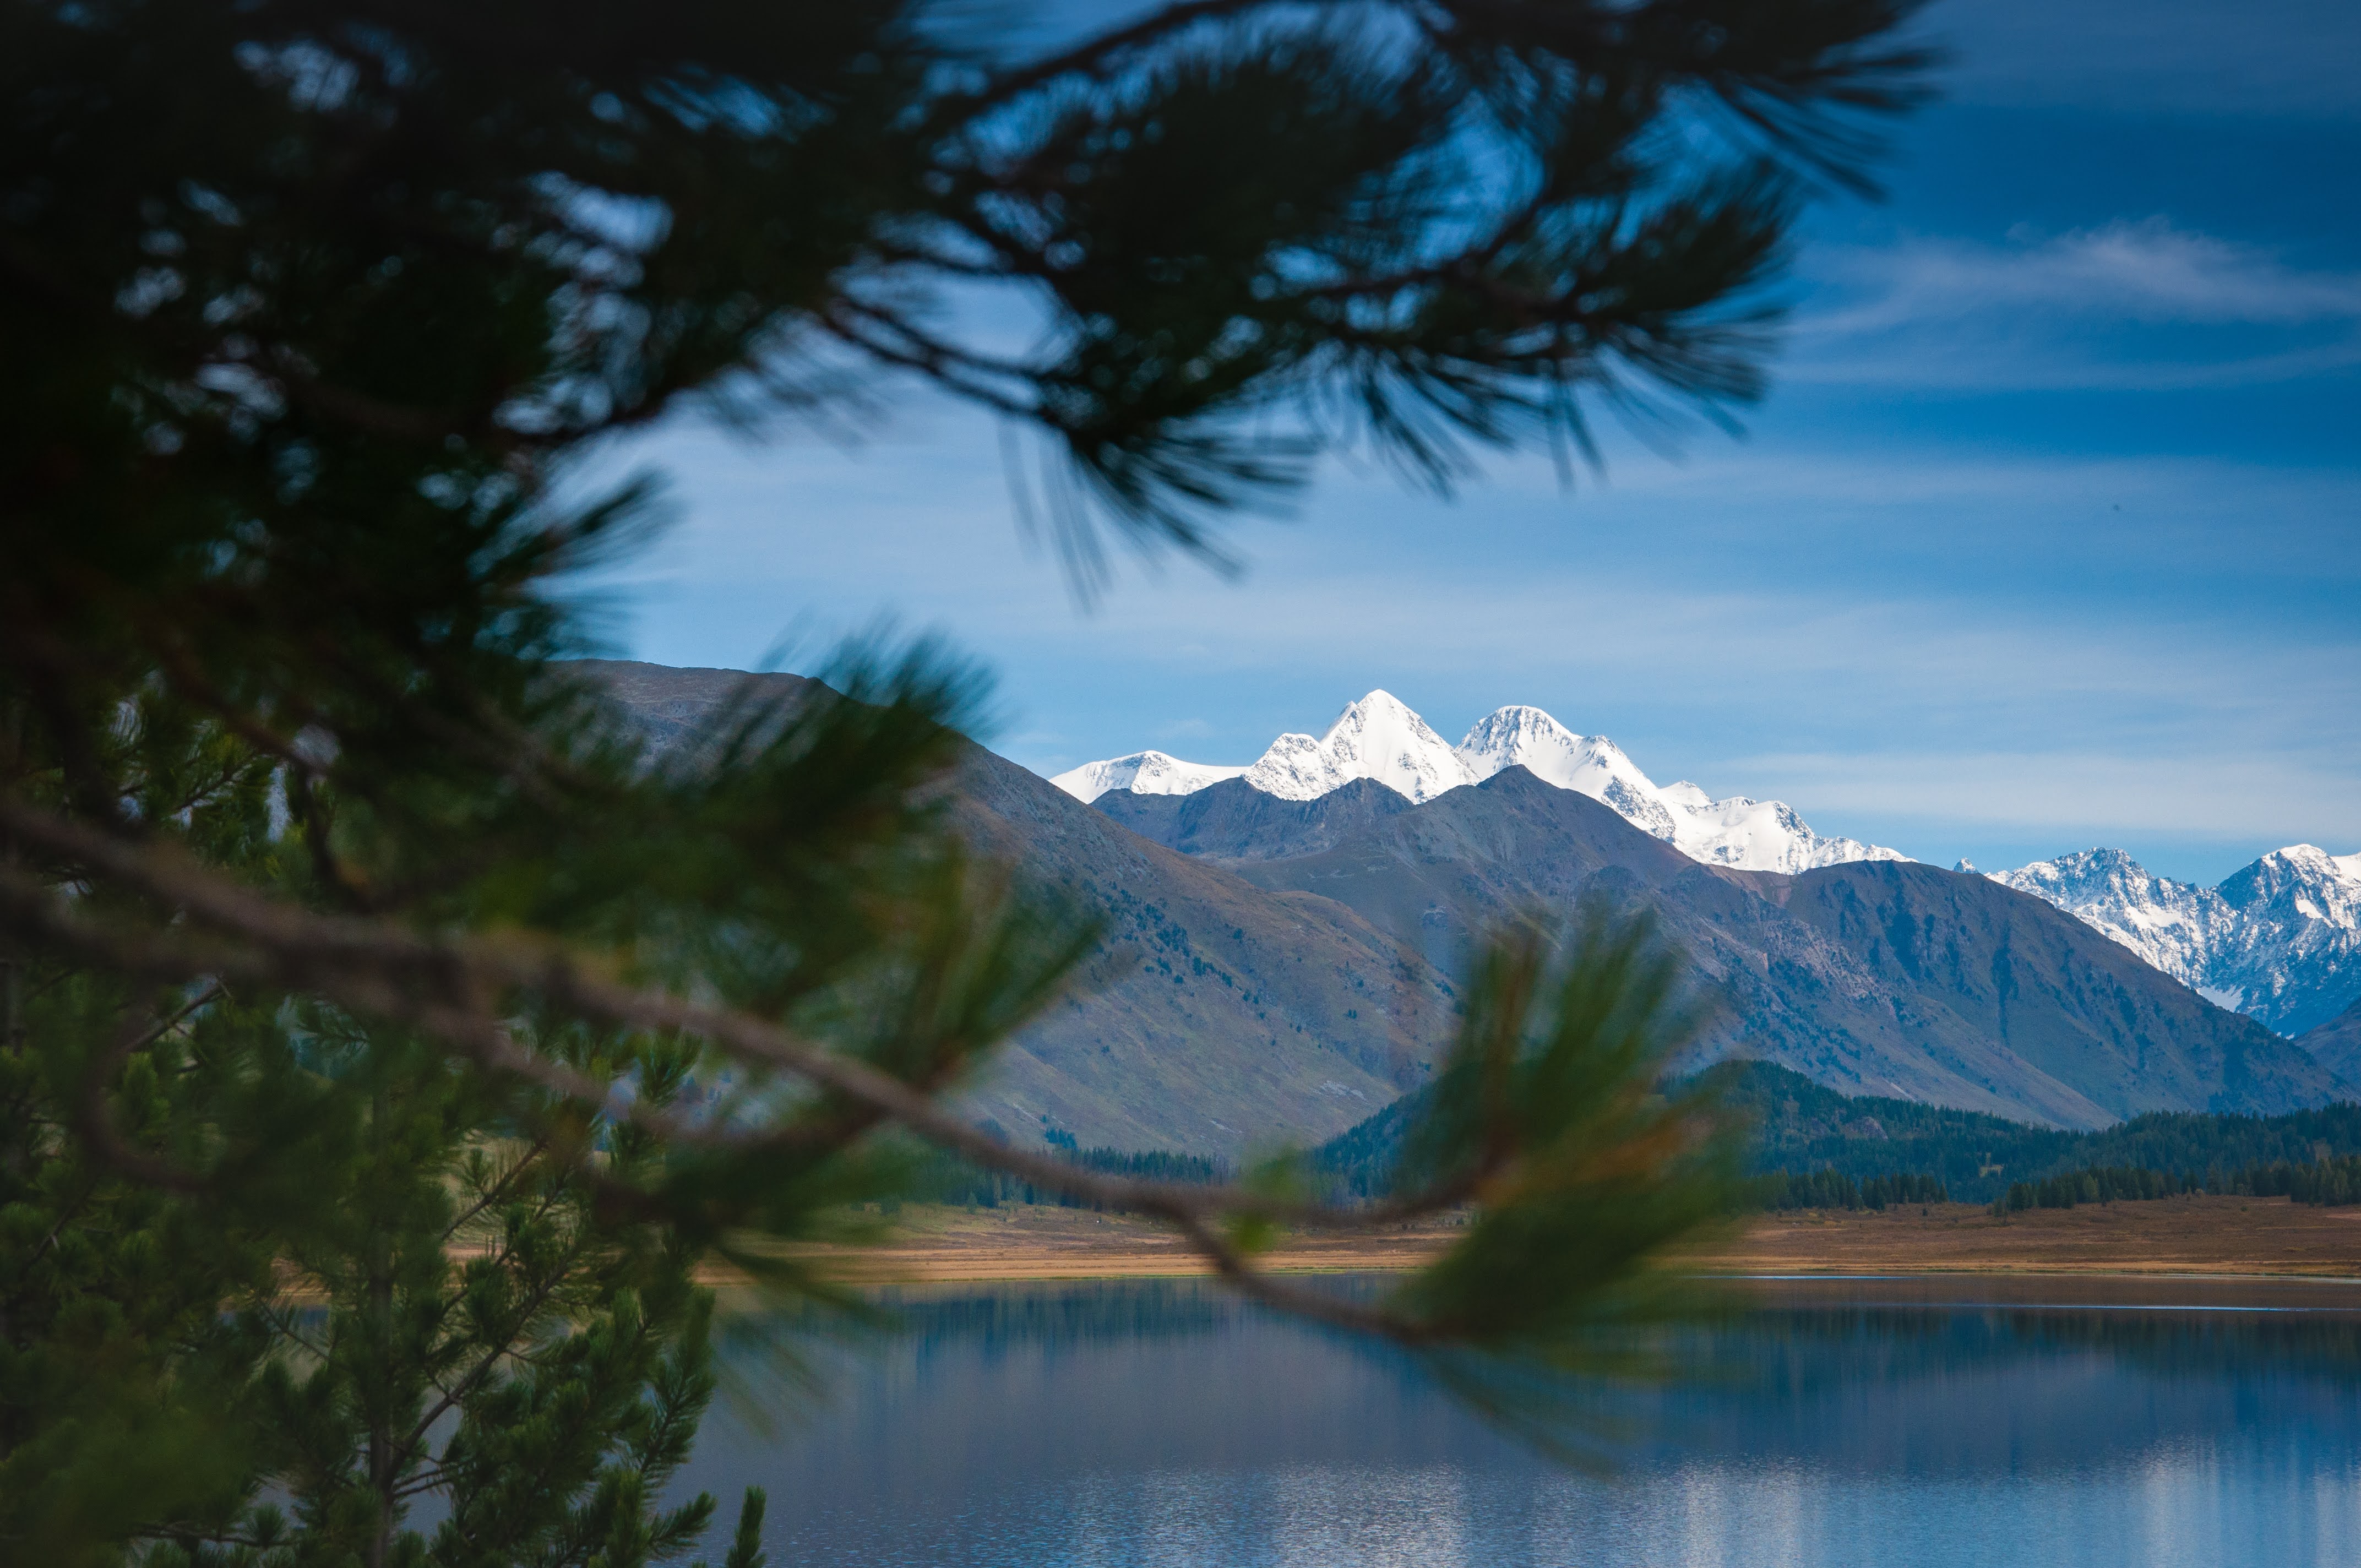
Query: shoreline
(2193, 1238)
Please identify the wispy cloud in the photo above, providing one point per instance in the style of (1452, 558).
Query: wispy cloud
(2124, 303)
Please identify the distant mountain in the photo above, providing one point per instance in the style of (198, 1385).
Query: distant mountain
(1881, 977)
(2279, 940)
(1142, 773)
(1215, 1018)
(1380, 739)
(1290, 972)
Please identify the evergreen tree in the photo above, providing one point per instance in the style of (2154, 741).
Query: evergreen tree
(462, 1328)
(116, 1358)
(245, 1244)
(313, 309)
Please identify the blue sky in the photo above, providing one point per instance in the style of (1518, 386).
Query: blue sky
(2050, 535)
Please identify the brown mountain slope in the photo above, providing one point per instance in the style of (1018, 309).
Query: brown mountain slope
(1286, 979)
(1234, 821)
(1875, 978)
(1215, 1017)
(2336, 1044)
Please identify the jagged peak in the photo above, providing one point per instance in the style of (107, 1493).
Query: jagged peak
(1379, 737)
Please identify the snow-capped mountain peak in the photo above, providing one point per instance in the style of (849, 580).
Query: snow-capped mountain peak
(1763, 835)
(2301, 882)
(1380, 737)
(1741, 832)
(1589, 764)
(2172, 925)
(1142, 773)
(1376, 738)
(2279, 939)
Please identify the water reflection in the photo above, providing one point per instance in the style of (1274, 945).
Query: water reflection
(1160, 1422)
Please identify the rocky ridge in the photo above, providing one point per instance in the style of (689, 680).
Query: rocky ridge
(1379, 738)
(2279, 940)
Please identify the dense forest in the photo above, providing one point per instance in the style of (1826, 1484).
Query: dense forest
(1826, 1144)
(1813, 1148)
(2325, 1182)
(947, 1179)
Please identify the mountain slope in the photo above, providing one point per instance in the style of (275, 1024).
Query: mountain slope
(2336, 1044)
(1752, 834)
(1236, 821)
(2279, 939)
(1213, 1018)
(1886, 977)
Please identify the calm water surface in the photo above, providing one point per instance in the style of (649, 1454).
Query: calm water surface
(1839, 1422)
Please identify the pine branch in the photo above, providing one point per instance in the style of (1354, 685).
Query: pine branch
(445, 986)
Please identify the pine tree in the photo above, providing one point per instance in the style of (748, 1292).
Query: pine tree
(313, 311)
(463, 1328)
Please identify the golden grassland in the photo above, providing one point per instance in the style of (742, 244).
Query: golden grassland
(2190, 1235)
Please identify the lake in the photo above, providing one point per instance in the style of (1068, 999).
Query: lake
(1836, 1423)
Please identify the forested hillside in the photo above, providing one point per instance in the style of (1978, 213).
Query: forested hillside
(1800, 1127)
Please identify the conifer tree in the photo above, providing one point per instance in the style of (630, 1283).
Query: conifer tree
(250, 1247)
(313, 308)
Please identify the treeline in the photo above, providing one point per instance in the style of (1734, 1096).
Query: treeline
(1801, 1130)
(1814, 1148)
(1800, 1126)
(952, 1180)
(2327, 1183)
(1834, 1190)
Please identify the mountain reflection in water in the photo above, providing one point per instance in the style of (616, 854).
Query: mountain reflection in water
(1838, 1422)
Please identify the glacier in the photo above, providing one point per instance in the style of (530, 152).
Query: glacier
(1379, 737)
(2279, 939)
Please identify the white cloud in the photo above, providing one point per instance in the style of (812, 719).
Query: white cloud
(2145, 271)
(2123, 304)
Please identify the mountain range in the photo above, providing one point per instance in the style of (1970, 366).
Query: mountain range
(2281, 940)
(1380, 739)
(1275, 967)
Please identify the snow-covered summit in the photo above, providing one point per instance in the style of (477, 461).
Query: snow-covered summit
(1142, 773)
(1376, 738)
(1761, 836)
(1751, 835)
(1380, 737)
(2173, 925)
(2279, 939)
(1590, 764)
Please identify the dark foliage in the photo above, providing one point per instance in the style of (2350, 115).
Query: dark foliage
(962, 1182)
(314, 315)
(1834, 1190)
(2322, 1181)
(1806, 1133)
(1802, 1126)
